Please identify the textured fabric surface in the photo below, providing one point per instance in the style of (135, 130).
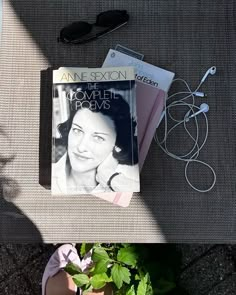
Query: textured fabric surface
(186, 37)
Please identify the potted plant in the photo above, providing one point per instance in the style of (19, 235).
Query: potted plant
(130, 269)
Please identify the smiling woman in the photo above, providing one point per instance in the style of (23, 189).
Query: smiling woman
(99, 135)
(89, 144)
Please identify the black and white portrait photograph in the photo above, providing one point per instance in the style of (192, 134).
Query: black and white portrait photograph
(94, 138)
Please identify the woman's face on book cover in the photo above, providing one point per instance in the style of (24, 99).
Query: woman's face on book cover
(91, 139)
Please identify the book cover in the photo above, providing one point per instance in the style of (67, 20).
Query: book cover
(152, 85)
(94, 132)
(144, 72)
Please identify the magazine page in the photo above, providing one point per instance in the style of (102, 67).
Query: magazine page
(94, 131)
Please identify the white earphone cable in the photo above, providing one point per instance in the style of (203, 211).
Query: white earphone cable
(192, 155)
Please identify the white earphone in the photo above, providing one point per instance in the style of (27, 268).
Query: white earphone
(198, 141)
(204, 108)
(211, 71)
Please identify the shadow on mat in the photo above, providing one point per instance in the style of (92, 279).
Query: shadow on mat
(14, 225)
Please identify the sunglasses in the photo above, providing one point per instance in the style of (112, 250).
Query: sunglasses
(106, 22)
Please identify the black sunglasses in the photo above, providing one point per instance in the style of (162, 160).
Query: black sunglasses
(111, 20)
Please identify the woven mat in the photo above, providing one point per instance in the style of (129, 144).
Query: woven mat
(186, 37)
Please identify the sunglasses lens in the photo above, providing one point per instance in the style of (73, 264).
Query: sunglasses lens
(75, 31)
(112, 18)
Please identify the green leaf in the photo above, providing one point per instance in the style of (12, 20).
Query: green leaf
(80, 280)
(98, 281)
(85, 248)
(128, 256)
(130, 291)
(142, 286)
(88, 289)
(72, 269)
(99, 254)
(150, 290)
(100, 267)
(115, 274)
(125, 274)
(119, 275)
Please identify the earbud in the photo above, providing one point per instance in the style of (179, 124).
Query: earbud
(204, 108)
(199, 94)
(211, 71)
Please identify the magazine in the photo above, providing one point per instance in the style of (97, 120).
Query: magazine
(94, 132)
(153, 84)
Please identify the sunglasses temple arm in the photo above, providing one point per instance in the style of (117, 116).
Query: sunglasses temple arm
(110, 30)
(107, 31)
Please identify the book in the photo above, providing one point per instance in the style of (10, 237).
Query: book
(144, 72)
(152, 85)
(94, 133)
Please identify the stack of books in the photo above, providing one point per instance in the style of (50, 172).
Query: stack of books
(103, 123)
